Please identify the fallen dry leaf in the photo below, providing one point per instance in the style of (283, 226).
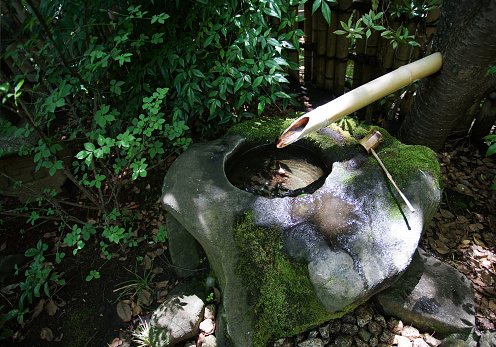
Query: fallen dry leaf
(51, 307)
(146, 297)
(46, 334)
(161, 295)
(156, 253)
(124, 311)
(492, 305)
(162, 284)
(216, 295)
(443, 250)
(446, 213)
(116, 342)
(58, 339)
(158, 270)
(8, 289)
(38, 309)
(136, 309)
(147, 262)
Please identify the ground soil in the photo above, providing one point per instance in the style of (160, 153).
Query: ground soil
(86, 313)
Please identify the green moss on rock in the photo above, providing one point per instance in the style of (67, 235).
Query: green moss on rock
(284, 300)
(263, 129)
(285, 303)
(402, 161)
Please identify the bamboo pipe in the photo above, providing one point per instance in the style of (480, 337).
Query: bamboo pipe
(357, 98)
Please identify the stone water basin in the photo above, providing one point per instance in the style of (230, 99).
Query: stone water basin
(265, 170)
(351, 232)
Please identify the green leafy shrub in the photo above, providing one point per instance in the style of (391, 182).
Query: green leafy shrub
(123, 82)
(39, 278)
(377, 20)
(106, 90)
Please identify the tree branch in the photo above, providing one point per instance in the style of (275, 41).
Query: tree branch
(47, 31)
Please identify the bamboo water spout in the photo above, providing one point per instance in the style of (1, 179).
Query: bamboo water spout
(357, 98)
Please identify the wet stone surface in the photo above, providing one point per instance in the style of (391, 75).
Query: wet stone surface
(352, 233)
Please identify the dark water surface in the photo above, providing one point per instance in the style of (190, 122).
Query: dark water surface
(271, 172)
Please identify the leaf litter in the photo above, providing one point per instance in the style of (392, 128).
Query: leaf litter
(463, 231)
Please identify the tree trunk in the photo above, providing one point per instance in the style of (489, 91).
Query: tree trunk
(466, 36)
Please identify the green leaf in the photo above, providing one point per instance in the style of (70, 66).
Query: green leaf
(90, 147)
(82, 154)
(31, 252)
(375, 4)
(316, 5)
(198, 73)
(208, 40)
(257, 81)
(326, 12)
(261, 106)
(239, 83)
(46, 289)
(491, 150)
(4, 88)
(490, 138)
(491, 71)
(18, 87)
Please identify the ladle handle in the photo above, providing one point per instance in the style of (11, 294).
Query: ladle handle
(410, 206)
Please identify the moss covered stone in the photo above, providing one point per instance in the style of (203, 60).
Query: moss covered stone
(401, 160)
(263, 129)
(295, 262)
(285, 300)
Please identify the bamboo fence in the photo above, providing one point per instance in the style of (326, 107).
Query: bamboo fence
(337, 64)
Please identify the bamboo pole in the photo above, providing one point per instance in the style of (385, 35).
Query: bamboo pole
(431, 23)
(342, 49)
(371, 61)
(359, 97)
(369, 143)
(360, 50)
(370, 70)
(386, 58)
(402, 55)
(308, 46)
(320, 40)
(331, 51)
(389, 51)
(407, 202)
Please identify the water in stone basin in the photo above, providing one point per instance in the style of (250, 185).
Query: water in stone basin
(271, 172)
